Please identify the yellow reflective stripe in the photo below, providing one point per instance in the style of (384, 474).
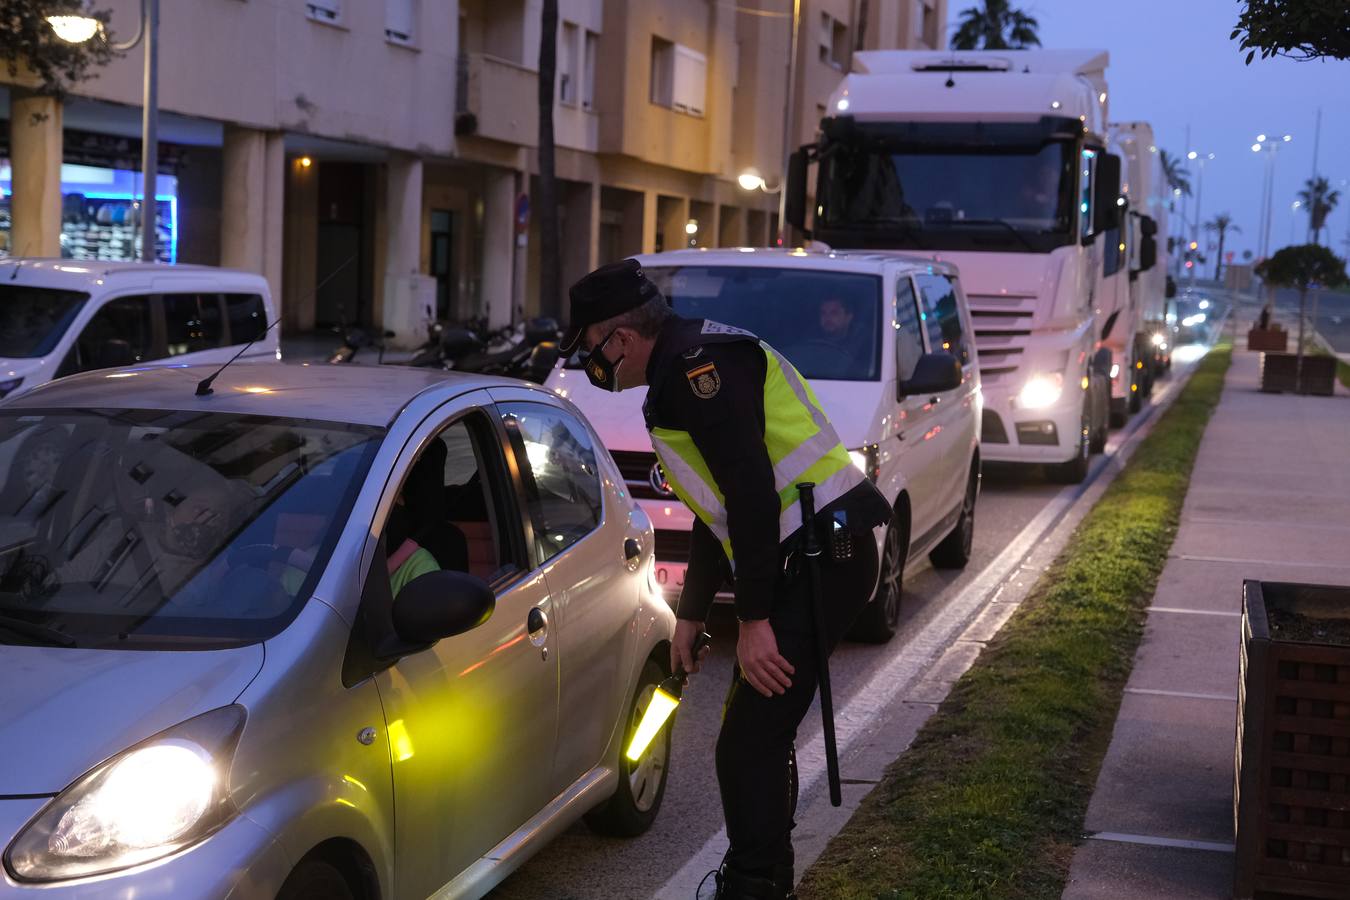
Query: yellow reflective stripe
(800, 388)
(815, 448)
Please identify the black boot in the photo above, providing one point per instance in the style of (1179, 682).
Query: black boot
(735, 885)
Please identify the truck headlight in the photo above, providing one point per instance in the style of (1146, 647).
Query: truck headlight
(1041, 391)
(145, 803)
(867, 459)
(1159, 339)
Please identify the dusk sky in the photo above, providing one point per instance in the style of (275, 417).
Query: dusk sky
(1172, 64)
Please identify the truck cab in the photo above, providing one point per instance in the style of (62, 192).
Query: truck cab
(999, 162)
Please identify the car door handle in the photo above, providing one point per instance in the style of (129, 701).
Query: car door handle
(536, 623)
(631, 551)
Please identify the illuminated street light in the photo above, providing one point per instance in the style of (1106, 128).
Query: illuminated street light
(691, 227)
(74, 29)
(1191, 155)
(751, 180)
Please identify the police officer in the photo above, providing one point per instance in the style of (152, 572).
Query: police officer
(735, 429)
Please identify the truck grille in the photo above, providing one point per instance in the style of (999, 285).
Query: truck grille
(1002, 325)
(636, 468)
(992, 430)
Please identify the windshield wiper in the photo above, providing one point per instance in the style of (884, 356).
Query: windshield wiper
(38, 634)
(1002, 223)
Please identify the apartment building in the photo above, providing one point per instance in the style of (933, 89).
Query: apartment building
(395, 142)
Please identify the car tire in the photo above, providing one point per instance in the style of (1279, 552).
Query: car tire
(642, 785)
(1075, 470)
(955, 549)
(880, 618)
(315, 879)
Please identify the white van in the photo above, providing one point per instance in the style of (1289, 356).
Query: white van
(59, 317)
(875, 334)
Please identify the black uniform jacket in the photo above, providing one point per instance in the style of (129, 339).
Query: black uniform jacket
(708, 379)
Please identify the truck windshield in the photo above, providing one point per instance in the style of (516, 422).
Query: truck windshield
(138, 529)
(825, 323)
(947, 199)
(33, 319)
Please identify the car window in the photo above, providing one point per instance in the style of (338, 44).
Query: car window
(562, 479)
(248, 317)
(33, 320)
(167, 529)
(192, 323)
(942, 316)
(908, 343)
(117, 335)
(450, 506)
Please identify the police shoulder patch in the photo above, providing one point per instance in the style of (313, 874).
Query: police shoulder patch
(704, 381)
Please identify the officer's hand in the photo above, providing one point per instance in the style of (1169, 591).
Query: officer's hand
(757, 653)
(682, 647)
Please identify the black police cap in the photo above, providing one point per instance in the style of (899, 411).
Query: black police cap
(609, 291)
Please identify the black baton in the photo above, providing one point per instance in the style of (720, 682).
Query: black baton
(811, 550)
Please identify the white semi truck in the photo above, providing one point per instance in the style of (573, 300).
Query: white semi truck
(997, 161)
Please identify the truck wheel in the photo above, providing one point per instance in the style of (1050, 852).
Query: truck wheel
(954, 550)
(1099, 437)
(642, 784)
(1076, 469)
(880, 618)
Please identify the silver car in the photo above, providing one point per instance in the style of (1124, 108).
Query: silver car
(321, 631)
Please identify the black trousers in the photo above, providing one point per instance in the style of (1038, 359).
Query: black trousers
(758, 732)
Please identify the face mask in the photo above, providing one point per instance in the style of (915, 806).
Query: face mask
(601, 372)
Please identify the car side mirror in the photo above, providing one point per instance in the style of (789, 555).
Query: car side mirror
(1106, 201)
(440, 605)
(933, 374)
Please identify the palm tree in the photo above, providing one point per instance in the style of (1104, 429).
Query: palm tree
(1319, 199)
(996, 26)
(550, 257)
(1178, 179)
(1222, 223)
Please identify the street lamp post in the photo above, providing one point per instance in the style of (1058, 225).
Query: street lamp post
(1200, 159)
(1269, 145)
(77, 30)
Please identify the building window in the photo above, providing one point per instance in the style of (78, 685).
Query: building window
(324, 10)
(663, 72)
(588, 67)
(400, 21)
(567, 65)
(691, 80)
(833, 41)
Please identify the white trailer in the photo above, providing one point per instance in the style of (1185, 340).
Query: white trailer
(997, 161)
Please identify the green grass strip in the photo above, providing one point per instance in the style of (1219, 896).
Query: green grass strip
(989, 801)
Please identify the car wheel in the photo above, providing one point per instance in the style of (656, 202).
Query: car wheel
(642, 784)
(954, 551)
(880, 618)
(1076, 469)
(315, 879)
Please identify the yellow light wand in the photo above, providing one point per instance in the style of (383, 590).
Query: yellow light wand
(662, 705)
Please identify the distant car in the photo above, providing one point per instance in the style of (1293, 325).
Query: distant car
(60, 317)
(885, 341)
(219, 681)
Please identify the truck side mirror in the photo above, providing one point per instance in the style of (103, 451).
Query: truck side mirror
(1106, 201)
(794, 202)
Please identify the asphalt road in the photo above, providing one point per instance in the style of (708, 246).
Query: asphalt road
(580, 865)
(1333, 314)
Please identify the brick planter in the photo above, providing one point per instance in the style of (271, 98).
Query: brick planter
(1279, 373)
(1275, 338)
(1291, 791)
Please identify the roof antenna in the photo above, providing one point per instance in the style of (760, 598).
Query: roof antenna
(204, 386)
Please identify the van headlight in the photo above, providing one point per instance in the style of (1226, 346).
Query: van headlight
(147, 802)
(1041, 391)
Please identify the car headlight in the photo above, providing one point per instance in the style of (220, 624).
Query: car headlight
(1041, 391)
(145, 803)
(868, 462)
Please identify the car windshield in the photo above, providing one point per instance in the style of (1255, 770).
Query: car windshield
(167, 529)
(825, 323)
(947, 199)
(32, 319)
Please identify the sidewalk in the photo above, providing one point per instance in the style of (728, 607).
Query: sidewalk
(1269, 499)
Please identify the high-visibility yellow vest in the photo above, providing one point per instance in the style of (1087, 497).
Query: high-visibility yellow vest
(802, 446)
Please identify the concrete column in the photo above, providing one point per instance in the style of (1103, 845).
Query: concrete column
(674, 215)
(407, 292)
(499, 240)
(243, 199)
(35, 160)
(581, 237)
(649, 203)
(300, 228)
(274, 214)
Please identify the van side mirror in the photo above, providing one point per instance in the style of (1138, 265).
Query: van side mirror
(794, 201)
(1106, 200)
(933, 374)
(440, 605)
(1148, 243)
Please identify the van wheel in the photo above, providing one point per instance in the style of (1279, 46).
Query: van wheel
(315, 879)
(880, 618)
(642, 784)
(1076, 469)
(954, 551)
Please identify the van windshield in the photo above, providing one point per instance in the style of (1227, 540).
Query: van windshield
(167, 529)
(825, 323)
(33, 319)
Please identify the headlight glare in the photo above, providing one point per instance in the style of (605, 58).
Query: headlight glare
(1041, 391)
(143, 804)
(868, 461)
